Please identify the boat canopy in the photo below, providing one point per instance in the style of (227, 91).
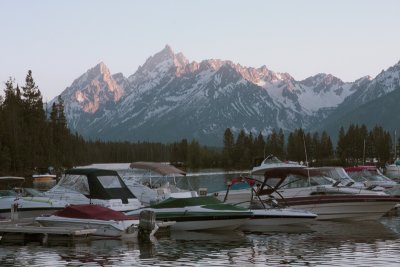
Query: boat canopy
(96, 183)
(161, 168)
(282, 174)
(368, 173)
(95, 212)
(337, 173)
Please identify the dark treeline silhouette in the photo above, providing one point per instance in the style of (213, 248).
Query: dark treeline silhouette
(355, 146)
(298, 146)
(33, 137)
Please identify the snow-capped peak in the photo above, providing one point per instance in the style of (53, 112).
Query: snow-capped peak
(93, 88)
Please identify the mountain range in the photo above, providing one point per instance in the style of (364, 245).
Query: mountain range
(170, 98)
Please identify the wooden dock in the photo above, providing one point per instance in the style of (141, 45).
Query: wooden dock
(25, 232)
(29, 230)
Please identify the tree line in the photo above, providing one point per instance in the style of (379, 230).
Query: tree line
(356, 146)
(34, 136)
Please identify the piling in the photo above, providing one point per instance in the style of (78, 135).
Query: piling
(147, 224)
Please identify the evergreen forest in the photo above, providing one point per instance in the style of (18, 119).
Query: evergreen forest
(35, 136)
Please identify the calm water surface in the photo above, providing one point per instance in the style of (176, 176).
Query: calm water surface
(370, 243)
(323, 244)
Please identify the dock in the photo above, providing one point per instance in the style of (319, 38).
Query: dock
(11, 232)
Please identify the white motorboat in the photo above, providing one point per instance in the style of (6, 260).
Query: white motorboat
(268, 215)
(198, 213)
(106, 222)
(309, 189)
(94, 186)
(15, 203)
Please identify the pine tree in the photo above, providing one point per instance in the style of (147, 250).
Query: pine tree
(281, 145)
(35, 139)
(326, 146)
(227, 153)
(239, 148)
(341, 146)
(13, 125)
(259, 146)
(295, 147)
(194, 155)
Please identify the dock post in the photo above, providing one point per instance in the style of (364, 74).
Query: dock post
(14, 211)
(45, 238)
(147, 223)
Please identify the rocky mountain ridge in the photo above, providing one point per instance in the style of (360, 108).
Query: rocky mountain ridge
(169, 98)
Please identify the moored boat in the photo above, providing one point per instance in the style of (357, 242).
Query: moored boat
(268, 215)
(94, 186)
(15, 204)
(308, 189)
(198, 213)
(107, 222)
(244, 194)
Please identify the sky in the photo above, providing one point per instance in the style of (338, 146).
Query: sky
(61, 40)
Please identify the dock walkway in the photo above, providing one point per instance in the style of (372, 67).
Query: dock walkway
(24, 231)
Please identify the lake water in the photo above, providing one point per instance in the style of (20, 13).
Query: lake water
(369, 243)
(375, 243)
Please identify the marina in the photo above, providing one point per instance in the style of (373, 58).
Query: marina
(318, 243)
(199, 133)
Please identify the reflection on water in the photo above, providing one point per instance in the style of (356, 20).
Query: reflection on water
(327, 244)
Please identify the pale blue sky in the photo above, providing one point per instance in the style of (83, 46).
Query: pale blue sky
(60, 40)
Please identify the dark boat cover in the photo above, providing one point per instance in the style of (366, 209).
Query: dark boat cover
(91, 211)
(97, 188)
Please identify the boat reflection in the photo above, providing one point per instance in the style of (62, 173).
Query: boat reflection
(369, 243)
(216, 236)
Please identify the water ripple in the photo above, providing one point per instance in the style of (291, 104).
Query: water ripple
(328, 244)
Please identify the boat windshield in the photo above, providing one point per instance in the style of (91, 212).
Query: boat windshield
(270, 160)
(272, 182)
(32, 192)
(75, 182)
(110, 181)
(297, 181)
(7, 193)
(370, 175)
(338, 174)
